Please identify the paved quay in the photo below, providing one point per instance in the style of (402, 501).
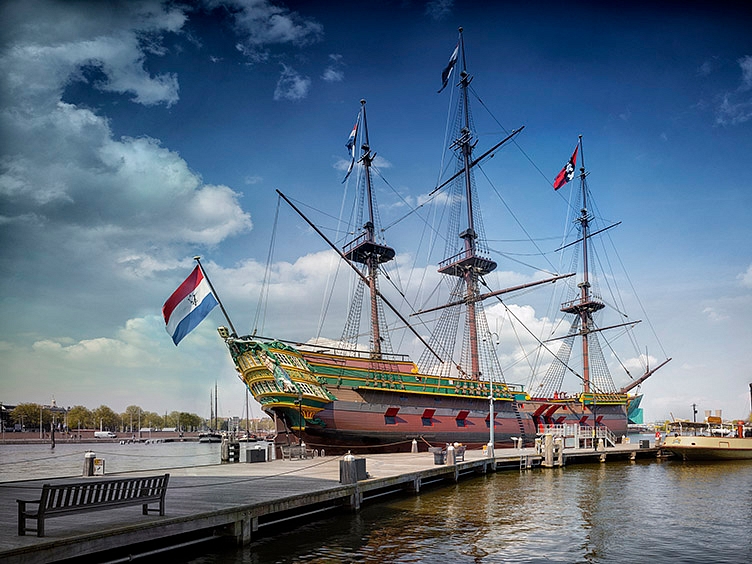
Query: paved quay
(237, 500)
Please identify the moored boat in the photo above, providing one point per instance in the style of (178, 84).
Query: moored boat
(709, 440)
(211, 435)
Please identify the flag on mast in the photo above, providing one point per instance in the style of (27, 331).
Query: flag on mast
(351, 146)
(188, 305)
(447, 72)
(567, 173)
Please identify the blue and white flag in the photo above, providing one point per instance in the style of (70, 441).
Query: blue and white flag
(188, 305)
(351, 146)
(447, 72)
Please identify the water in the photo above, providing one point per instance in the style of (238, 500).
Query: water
(599, 513)
(619, 512)
(28, 462)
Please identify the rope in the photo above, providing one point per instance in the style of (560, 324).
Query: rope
(353, 447)
(253, 478)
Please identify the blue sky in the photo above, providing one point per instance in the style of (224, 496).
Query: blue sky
(136, 135)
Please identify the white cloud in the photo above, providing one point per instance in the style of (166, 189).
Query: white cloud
(252, 179)
(439, 9)
(735, 107)
(41, 59)
(263, 23)
(714, 315)
(746, 277)
(92, 211)
(705, 68)
(334, 72)
(332, 75)
(746, 65)
(291, 85)
(139, 365)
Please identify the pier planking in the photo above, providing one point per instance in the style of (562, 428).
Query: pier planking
(237, 499)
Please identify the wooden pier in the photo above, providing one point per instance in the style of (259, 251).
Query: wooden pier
(237, 501)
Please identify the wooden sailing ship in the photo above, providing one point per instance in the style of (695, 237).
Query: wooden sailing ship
(346, 396)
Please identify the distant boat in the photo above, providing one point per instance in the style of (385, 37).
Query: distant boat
(211, 436)
(709, 440)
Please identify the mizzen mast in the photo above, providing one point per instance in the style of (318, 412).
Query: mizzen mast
(586, 304)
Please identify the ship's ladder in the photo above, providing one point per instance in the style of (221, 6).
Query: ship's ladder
(520, 423)
(525, 462)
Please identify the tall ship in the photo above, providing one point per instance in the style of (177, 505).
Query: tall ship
(364, 397)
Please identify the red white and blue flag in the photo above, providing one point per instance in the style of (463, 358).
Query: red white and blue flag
(567, 173)
(188, 305)
(351, 140)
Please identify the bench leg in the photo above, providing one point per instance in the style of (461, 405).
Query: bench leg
(21, 519)
(145, 508)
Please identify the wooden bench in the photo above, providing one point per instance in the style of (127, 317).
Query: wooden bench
(92, 495)
(293, 452)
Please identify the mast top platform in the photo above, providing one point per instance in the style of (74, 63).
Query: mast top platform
(466, 261)
(362, 248)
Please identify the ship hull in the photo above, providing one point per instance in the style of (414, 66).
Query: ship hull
(382, 422)
(340, 402)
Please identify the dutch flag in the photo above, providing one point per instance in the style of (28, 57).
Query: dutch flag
(188, 305)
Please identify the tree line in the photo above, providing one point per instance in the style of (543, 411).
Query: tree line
(29, 416)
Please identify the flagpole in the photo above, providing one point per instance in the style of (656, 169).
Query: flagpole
(211, 287)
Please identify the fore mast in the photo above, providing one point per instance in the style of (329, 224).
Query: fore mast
(365, 250)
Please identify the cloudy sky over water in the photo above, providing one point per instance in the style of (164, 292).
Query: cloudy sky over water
(138, 134)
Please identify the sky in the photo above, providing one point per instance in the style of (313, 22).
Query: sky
(138, 134)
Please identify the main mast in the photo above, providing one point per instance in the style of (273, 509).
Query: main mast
(467, 264)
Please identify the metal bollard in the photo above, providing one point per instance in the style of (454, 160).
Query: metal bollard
(89, 457)
(415, 446)
(348, 474)
(225, 450)
(548, 450)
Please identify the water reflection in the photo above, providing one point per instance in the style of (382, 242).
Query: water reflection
(615, 512)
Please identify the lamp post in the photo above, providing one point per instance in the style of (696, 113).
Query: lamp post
(491, 424)
(301, 422)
